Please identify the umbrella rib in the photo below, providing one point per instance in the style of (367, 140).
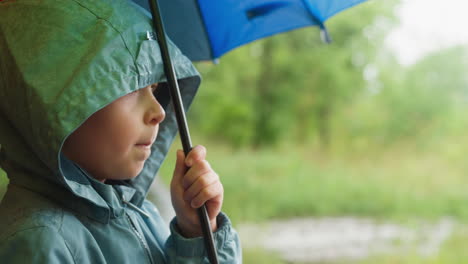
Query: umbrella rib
(315, 14)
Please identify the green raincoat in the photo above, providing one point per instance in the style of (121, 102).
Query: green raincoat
(60, 62)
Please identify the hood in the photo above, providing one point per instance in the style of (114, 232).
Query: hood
(60, 62)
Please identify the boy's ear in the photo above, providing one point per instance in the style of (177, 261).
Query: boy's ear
(162, 95)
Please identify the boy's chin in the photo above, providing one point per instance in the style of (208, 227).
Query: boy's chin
(126, 176)
(122, 178)
(131, 176)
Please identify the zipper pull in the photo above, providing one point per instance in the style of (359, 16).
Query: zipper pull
(134, 207)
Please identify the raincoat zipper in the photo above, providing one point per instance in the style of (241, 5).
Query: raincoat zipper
(135, 230)
(140, 237)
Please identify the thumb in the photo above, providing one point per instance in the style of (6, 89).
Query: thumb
(180, 167)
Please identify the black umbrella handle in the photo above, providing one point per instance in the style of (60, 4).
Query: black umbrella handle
(181, 120)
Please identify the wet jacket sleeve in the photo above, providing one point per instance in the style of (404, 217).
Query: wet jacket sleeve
(192, 250)
(35, 245)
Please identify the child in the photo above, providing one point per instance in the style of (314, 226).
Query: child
(84, 126)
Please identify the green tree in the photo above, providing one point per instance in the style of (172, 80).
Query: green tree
(427, 92)
(291, 84)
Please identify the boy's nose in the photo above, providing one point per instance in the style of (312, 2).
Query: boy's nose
(155, 114)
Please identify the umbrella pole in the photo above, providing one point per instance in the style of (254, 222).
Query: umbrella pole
(181, 120)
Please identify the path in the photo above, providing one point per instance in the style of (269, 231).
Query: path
(331, 239)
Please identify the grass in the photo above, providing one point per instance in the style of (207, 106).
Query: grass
(288, 182)
(452, 252)
(260, 256)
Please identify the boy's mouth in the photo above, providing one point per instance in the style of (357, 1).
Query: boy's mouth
(148, 144)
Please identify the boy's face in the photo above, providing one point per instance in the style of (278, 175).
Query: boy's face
(115, 142)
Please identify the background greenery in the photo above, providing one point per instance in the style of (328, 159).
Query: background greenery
(3, 183)
(299, 128)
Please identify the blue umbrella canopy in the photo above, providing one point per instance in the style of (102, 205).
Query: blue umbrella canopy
(207, 29)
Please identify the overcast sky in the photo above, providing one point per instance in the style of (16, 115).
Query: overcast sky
(428, 25)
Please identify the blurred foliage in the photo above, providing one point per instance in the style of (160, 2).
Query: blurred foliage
(290, 85)
(260, 256)
(351, 94)
(340, 129)
(414, 103)
(298, 128)
(397, 182)
(453, 251)
(3, 181)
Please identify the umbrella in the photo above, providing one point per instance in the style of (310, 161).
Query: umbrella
(206, 29)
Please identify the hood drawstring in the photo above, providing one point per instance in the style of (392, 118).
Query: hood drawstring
(134, 207)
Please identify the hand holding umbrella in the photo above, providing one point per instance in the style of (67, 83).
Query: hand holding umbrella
(192, 188)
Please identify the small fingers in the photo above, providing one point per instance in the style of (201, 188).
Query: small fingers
(197, 153)
(199, 168)
(211, 192)
(202, 182)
